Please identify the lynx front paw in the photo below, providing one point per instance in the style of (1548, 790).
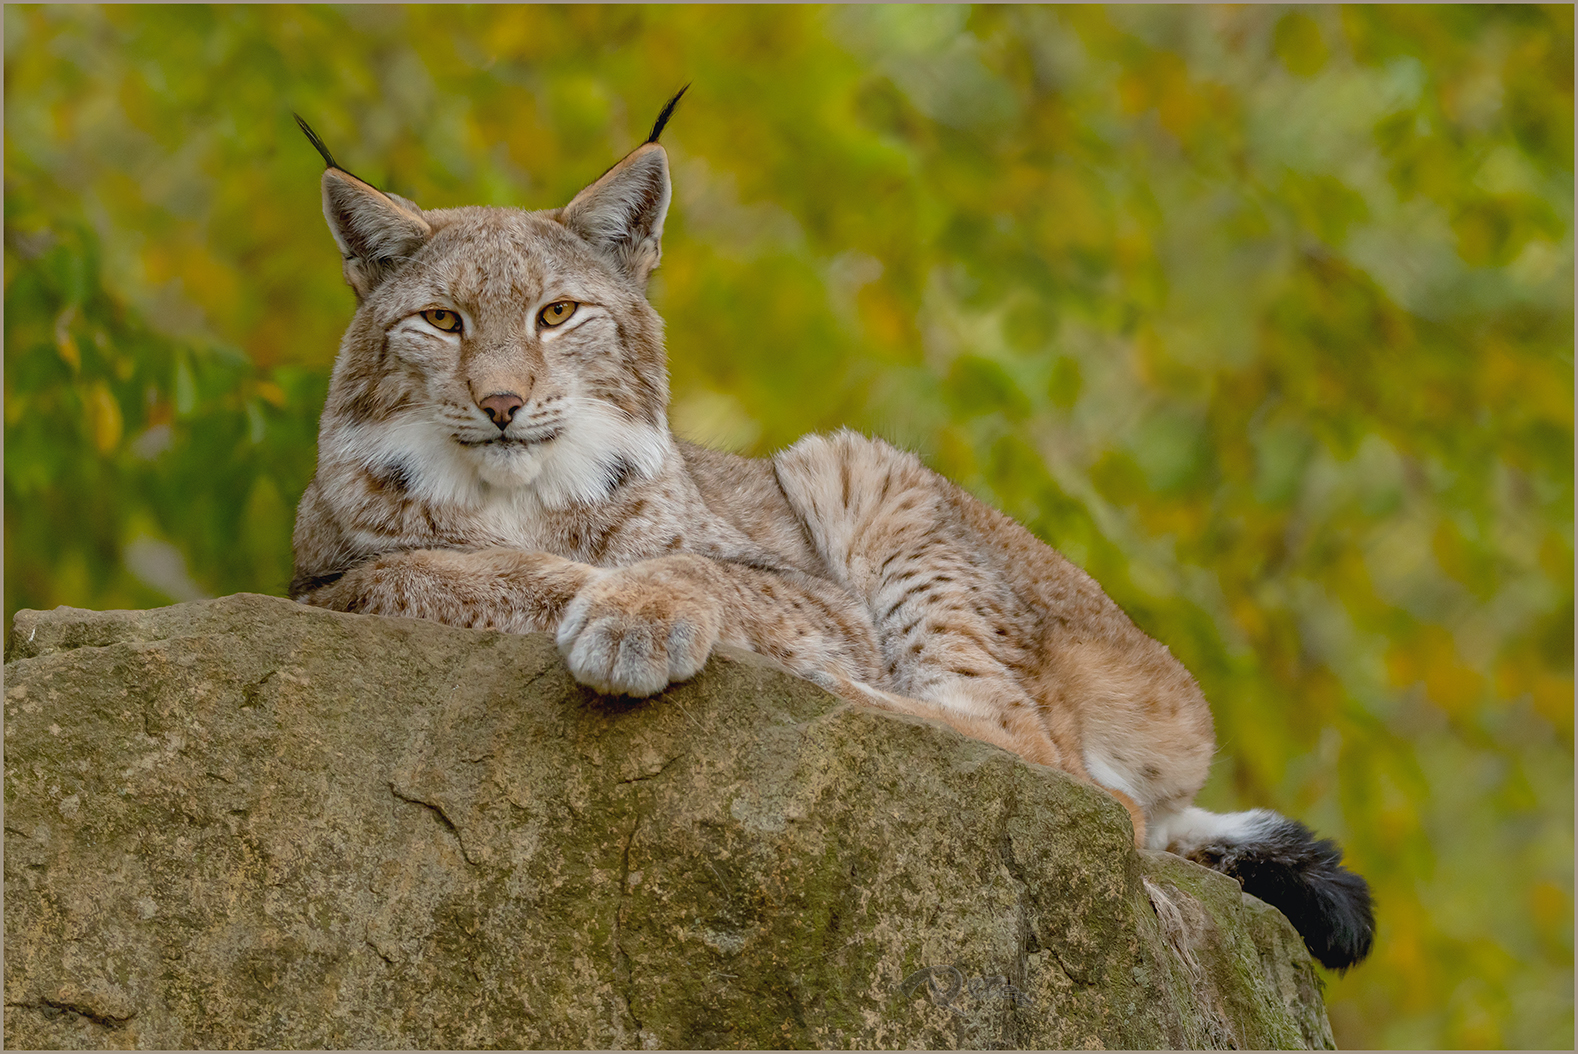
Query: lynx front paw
(636, 630)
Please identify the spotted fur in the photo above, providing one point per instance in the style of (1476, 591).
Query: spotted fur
(579, 514)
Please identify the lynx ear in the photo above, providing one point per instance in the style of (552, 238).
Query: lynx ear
(376, 232)
(621, 215)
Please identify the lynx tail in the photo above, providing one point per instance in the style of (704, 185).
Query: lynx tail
(1282, 862)
(657, 127)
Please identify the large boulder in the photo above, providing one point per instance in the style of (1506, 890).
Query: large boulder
(248, 823)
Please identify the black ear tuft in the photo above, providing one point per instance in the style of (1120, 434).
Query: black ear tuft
(657, 126)
(312, 137)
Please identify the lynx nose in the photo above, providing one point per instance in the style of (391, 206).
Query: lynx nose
(500, 407)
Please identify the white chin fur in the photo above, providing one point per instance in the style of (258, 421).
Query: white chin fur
(510, 467)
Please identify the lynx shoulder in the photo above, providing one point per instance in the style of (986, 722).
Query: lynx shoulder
(495, 452)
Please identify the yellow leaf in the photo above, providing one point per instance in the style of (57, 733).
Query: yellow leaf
(1298, 43)
(1431, 656)
(1553, 699)
(104, 418)
(886, 320)
(1550, 906)
(1451, 685)
(65, 343)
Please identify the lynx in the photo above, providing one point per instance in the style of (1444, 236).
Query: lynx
(495, 453)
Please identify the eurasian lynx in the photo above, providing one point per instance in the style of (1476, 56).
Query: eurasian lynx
(495, 452)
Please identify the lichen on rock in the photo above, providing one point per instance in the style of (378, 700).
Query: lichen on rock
(248, 823)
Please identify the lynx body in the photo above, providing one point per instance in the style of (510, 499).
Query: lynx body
(495, 453)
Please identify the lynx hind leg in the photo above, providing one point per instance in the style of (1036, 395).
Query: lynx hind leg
(958, 641)
(1284, 864)
(954, 638)
(883, 524)
(1145, 729)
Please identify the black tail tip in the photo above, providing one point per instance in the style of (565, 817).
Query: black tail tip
(1302, 876)
(1338, 924)
(662, 118)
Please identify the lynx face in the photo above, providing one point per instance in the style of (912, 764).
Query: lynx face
(501, 355)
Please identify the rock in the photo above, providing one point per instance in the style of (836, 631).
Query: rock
(248, 823)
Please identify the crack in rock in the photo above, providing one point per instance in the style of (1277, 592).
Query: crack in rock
(97, 1015)
(443, 818)
(627, 982)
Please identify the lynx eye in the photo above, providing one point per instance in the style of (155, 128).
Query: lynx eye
(447, 321)
(556, 312)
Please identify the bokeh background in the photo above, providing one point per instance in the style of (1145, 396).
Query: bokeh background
(1264, 316)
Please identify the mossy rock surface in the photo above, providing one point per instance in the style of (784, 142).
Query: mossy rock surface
(248, 823)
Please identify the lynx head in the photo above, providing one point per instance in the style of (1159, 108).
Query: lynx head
(498, 350)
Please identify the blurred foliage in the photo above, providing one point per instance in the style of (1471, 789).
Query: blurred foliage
(1264, 316)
